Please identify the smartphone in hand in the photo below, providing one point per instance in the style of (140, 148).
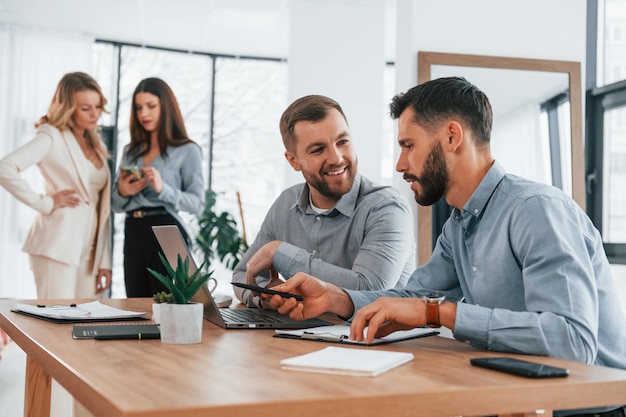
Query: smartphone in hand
(520, 367)
(268, 291)
(132, 170)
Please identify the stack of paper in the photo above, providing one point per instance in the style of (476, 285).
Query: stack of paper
(345, 361)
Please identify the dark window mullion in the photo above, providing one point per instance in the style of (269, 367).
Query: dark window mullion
(594, 151)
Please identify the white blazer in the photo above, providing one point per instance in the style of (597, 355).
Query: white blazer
(58, 234)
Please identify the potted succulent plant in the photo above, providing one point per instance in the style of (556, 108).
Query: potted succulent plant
(180, 320)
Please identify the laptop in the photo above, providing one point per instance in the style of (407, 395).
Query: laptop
(172, 244)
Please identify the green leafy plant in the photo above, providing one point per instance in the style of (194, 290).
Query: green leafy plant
(180, 282)
(218, 236)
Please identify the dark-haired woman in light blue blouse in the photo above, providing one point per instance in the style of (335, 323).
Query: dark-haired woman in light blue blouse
(160, 174)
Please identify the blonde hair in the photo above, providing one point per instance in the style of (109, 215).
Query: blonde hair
(63, 105)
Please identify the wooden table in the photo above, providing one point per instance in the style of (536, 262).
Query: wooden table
(237, 373)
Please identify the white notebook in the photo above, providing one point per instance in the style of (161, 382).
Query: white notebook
(347, 361)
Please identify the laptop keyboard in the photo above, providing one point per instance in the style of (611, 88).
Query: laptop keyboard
(247, 316)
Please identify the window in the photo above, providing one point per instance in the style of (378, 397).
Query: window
(247, 149)
(611, 26)
(614, 170)
(606, 124)
(231, 108)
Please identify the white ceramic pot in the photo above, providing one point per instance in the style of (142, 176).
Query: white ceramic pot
(180, 323)
(156, 308)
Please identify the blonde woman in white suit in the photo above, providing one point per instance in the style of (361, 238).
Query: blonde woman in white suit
(69, 242)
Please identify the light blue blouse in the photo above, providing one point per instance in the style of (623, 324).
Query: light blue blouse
(183, 184)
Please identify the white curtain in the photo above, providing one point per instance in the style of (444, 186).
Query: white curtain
(518, 144)
(32, 62)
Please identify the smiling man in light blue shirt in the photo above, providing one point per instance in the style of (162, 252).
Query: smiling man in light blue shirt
(524, 257)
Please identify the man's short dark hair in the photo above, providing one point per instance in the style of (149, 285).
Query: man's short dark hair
(311, 108)
(438, 100)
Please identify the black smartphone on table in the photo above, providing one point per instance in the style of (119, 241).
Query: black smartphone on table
(520, 367)
(268, 291)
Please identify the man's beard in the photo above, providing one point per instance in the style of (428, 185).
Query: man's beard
(321, 184)
(434, 178)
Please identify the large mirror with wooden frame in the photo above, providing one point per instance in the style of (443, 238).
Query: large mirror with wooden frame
(513, 84)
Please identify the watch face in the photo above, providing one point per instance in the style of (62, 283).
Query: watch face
(433, 296)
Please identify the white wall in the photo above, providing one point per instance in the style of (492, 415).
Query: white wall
(554, 29)
(337, 49)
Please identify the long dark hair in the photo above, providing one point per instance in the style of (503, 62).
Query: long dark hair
(171, 129)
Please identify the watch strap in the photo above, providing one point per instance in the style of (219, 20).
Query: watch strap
(432, 314)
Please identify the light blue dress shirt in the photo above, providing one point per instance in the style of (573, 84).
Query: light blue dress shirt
(533, 273)
(365, 242)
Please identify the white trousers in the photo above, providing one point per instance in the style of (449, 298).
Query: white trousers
(56, 279)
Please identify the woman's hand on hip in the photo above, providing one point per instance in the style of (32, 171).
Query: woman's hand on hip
(65, 198)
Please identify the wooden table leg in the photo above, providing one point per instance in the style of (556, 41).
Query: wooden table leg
(38, 388)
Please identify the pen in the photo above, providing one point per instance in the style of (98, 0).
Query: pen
(56, 305)
(323, 336)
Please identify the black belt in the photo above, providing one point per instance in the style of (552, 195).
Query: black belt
(619, 412)
(145, 212)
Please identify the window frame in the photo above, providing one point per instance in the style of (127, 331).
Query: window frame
(598, 101)
(213, 56)
(110, 128)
